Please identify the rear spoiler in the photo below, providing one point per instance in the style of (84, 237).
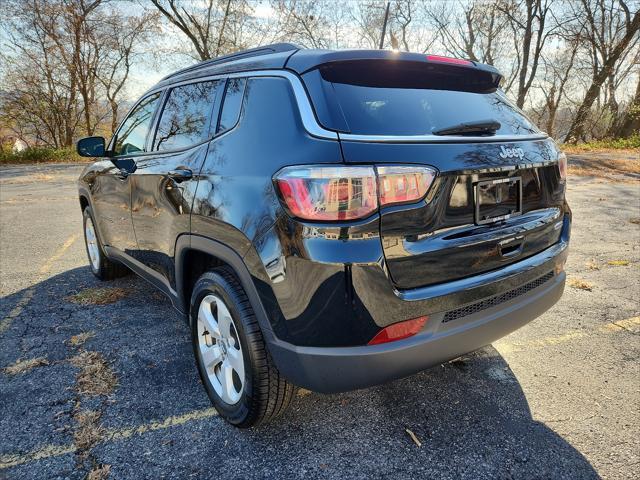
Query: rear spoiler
(384, 68)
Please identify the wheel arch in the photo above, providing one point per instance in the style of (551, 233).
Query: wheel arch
(84, 197)
(205, 254)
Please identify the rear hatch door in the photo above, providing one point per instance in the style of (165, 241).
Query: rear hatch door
(498, 196)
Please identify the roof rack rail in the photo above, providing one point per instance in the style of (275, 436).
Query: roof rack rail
(251, 52)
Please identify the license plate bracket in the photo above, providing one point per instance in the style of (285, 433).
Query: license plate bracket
(497, 199)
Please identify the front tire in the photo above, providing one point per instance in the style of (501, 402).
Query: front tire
(100, 265)
(235, 367)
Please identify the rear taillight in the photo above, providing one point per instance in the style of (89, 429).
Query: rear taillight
(403, 184)
(328, 193)
(398, 331)
(347, 193)
(562, 166)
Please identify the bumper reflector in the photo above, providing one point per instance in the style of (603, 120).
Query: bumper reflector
(399, 330)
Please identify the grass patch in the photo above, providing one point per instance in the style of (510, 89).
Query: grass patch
(101, 472)
(631, 143)
(22, 366)
(81, 338)
(618, 263)
(96, 376)
(41, 155)
(580, 284)
(98, 296)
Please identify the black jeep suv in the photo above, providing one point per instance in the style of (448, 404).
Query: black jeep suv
(330, 219)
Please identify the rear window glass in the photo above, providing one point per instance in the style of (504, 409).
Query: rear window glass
(186, 115)
(414, 111)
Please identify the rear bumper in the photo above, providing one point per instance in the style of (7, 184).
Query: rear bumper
(336, 369)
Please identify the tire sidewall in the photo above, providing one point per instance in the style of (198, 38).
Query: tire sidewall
(214, 283)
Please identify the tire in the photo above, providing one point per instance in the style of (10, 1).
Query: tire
(101, 266)
(263, 393)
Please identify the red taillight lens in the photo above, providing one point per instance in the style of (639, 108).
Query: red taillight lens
(398, 331)
(328, 193)
(453, 61)
(349, 193)
(403, 184)
(562, 166)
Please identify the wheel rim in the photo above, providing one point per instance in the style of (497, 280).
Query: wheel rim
(220, 349)
(92, 244)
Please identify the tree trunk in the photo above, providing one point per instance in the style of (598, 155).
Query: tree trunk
(576, 131)
(630, 122)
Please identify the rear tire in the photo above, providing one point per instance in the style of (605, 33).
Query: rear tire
(224, 330)
(101, 266)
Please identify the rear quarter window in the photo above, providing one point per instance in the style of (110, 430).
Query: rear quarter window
(232, 104)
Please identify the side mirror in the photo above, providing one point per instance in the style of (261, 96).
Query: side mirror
(91, 147)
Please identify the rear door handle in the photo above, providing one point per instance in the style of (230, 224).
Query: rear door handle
(180, 174)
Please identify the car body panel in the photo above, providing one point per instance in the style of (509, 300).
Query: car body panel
(321, 289)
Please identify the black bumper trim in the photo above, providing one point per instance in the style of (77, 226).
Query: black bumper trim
(339, 369)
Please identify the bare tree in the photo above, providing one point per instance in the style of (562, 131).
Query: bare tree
(608, 40)
(630, 121)
(213, 27)
(121, 39)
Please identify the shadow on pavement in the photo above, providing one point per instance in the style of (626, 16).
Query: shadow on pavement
(470, 415)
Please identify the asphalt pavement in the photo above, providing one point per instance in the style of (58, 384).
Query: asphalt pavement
(98, 379)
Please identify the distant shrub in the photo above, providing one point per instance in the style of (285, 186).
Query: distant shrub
(40, 155)
(633, 142)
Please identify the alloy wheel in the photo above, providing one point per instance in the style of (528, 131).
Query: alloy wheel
(220, 349)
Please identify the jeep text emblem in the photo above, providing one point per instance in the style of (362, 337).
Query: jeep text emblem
(511, 152)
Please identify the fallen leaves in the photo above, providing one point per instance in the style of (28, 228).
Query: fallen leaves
(98, 296)
(592, 265)
(580, 284)
(22, 366)
(101, 472)
(81, 338)
(88, 431)
(95, 376)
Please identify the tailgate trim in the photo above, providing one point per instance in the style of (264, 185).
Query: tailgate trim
(439, 138)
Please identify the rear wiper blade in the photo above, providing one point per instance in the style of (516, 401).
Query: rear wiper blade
(480, 127)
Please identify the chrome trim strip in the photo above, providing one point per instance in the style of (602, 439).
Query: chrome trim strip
(439, 138)
(307, 114)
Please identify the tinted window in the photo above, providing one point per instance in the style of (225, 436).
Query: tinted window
(186, 115)
(133, 132)
(415, 111)
(232, 104)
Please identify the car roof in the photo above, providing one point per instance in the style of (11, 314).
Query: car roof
(300, 60)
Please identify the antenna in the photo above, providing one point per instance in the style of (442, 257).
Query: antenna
(384, 25)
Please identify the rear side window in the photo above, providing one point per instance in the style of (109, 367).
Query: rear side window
(232, 104)
(186, 116)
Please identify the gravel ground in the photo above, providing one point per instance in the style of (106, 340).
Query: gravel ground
(557, 399)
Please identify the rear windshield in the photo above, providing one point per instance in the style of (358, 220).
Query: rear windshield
(413, 111)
